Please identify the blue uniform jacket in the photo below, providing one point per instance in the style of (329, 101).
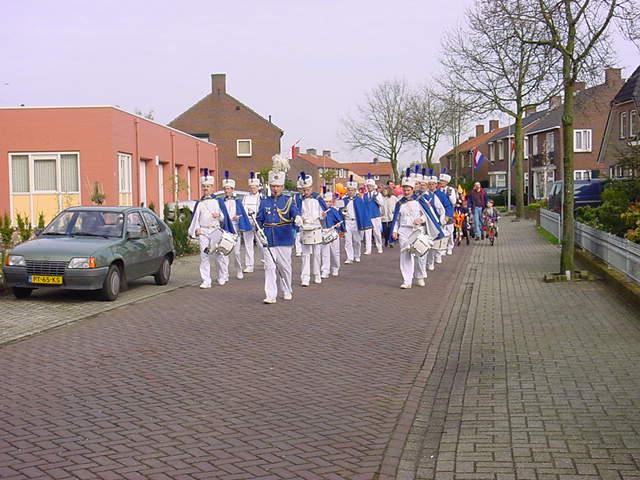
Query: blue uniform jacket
(446, 203)
(363, 220)
(372, 206)
(243, 219)
(396, 214)
(425, 204)
(333, 217)
(278, 224)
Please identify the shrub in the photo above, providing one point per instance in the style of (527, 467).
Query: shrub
(24, 227)
(180, 228)
(41, 222)
(6, 231)
(97, 195)
(152, 207)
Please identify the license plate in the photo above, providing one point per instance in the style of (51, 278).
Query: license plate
(46, 279)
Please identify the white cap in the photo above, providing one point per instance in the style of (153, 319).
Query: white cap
(432, 179)
(327, 196)
(351, 183)
(206, 181)
(228, 182)
(408, 182)
(445, 177)
(253, 180)
(276, 177)
(304, 180)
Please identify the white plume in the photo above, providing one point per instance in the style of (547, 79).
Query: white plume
(280, 163)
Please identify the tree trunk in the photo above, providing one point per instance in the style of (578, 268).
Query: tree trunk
(394, 167)
(568, 234)
(519, 161)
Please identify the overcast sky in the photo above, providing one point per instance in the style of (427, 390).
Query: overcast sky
(307, 63)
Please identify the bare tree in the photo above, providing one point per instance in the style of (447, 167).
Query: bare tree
(495, 70)
(457, 113)
(578, 31)
(426, 121)
(381, 124)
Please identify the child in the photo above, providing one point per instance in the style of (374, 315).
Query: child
(461, 221)
(331, 251)
(490, 215)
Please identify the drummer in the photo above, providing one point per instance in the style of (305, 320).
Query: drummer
(331, 251)
(407, 218)
(297, 198)
(205, 221)
(251, 202)
(433, 226)
(312, 213)
(235, 221)
(357, 221)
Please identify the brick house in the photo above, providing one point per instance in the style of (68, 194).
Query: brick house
(246, 141)
(381, 172)
(53, 156)
(623, 127)
(463, 167)
(313, 164)
(544, 139)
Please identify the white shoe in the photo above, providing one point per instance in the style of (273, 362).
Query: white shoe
(269, 300)
(288, 296)
(298, 254)
(317, 279)
(324, 276)
(205, 285)
(222, 282)
(438, 259)
(348, 262)
(357, 260)
(420, 282)
(239, 276)
(248, 270)
(450, 251)
(335, 274)
(367, 253)
(431, 267)
(405, 286)
(305, 284)
(379, 250)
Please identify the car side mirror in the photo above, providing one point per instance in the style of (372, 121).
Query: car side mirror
(134, 232)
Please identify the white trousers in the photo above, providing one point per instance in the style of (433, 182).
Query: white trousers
(298, 243)
(282, 274)
(205, 261)
(222, 262)
(376, 233)
(431, 257)
(310, 266)
(331, 258)
(407, 261)
(448, 231)
(353, 242)
(249, 257)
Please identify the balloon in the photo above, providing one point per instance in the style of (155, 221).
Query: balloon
(340, 189)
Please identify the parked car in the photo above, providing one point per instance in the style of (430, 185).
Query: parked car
(586, 193)
(92, 248)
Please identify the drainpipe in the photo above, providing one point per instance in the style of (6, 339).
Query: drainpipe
(197, 171)
(173, 167)
(136, 168)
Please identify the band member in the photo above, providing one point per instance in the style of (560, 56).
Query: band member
(434, 255)
(452, 195)
(331, 251)
(432, 225)
(374, 201)
(407, 218)
(357, 221)
(235, 221)
(298, 199)
(277, 216)
(251, 203)
(312, 213)
(206, 220)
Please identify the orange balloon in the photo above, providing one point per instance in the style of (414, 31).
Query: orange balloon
(340, 189)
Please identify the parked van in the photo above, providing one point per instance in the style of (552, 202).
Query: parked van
(586, 193)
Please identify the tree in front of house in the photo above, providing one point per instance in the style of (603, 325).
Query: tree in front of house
(426, 121)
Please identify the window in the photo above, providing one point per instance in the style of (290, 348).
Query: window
(501, 181)
(342, 173)
(20, 173)
(44, 175)
(69, 172)
(534, 145)
(124, 170)
(550, 139)
(189, 173)
(582, 140)
(152, 223)
(492, 152)
(623, 124)
(500, 150)
(633, 123)
(582, 174)
(244, 148)
(134, 218)
(526, 147)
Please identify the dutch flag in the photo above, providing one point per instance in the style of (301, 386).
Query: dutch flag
(478, 158)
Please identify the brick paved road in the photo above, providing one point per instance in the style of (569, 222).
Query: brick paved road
(532, 380)
(213, 384)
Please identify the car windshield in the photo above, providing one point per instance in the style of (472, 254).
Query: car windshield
(87, 224)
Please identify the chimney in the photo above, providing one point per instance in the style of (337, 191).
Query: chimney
(326, 153)
(494, 125)
(375, 159)
(613, 76)
(311, 151)
(529, 110)
(579, 86)
(219, 83)
(479, 130)
(555, 101)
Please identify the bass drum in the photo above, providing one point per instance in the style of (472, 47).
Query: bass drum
(311, 236)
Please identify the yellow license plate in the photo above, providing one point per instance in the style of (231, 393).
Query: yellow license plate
(46, 279)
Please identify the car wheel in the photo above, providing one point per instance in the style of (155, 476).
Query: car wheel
(164, 273)
(112, 283)
(21, 292)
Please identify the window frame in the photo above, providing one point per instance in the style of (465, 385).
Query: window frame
(238, 154)
(582, 174)
(633, 121)
(32, 156)
(587, 133)
(623, 125)
(500, 151)
(534, 145)
(130, 178)
(492, 152)
(551, 146)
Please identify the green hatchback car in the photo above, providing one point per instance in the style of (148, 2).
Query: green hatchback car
(93, 248)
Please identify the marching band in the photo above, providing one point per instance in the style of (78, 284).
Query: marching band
(314, 223)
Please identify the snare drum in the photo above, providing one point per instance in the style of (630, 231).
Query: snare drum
(329, 235)
(440, 244)
(311, 235)
(419, 243)
(225, 245)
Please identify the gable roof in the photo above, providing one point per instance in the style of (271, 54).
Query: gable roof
(362, 168)
(630, 90)
(473, 142)
(509, 130)
(319, 160)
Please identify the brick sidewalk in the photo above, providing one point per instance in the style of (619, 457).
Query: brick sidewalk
(531, 380)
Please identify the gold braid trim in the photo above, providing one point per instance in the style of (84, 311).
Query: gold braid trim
(285, 211)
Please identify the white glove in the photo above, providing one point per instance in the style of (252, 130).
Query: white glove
(298, 221)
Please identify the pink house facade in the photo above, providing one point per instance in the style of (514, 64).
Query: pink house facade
(52, 157)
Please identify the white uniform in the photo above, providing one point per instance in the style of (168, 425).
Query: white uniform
(311, 218)
(353, 236)
(251, 203)
(404, 227)
(435, 256)
(376, 231)
(453, 198)
(223, 260)
(331, 258)
(209, 227)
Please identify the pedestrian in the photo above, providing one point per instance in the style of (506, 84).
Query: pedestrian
(477, 202)
(374, 201)
(389, 201)
(251, 203)
(278, 216)
(205, 223)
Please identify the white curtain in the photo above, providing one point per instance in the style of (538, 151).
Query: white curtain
(20, 173)
(44, 175)
(69, 172)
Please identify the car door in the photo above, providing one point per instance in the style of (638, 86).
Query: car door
(136, 255)
(156, 250)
